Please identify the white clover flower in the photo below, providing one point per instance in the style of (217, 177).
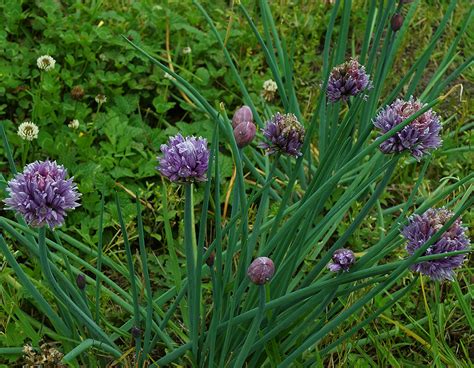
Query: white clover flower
(269, 90)
(73, 124)
(28, 131)
(169, 76)
(46, 63)
(100, 99)
(270, 86)
(187, 50)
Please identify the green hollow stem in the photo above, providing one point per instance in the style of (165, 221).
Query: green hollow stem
(73, 308)
(253, 330)
(191, 254)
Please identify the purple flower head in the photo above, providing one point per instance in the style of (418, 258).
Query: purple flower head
(348, 79)
(242, 115)
(261, 270)
(285, 133)
(421, 228)
(342, 259)
(42, 194)
(417, 137)
(184, 159)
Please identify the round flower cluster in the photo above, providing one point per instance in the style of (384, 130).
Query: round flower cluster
(46, 63)
(418, 137)
(421, 228)
(285, 133)
(73, 124)
(28, 131)
(42, 194)
(346, 80)
(184, 159)
(269, 90)
(342, 259)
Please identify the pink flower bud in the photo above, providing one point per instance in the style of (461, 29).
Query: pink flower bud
(244, 133)
(242, 115)
(261, 270)
(396, 22)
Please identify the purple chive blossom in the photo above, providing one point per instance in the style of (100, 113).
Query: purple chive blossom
(184, 159)
(421, 228)
(285, 133)
(417, 137)
(261, 270)
(342, 259)
(42, 194)
(346, 80)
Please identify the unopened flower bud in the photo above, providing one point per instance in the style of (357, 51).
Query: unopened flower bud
(261, 270)
(210, 259)
(81, 281)
(244, 114)
(136, 332)
(244, 133)
(396, 22)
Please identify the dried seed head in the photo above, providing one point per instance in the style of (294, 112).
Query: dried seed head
(77, 92)
(261, 270)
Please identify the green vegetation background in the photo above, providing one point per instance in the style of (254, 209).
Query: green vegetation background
(116, 145)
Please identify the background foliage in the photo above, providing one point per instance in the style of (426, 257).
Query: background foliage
(115, 146)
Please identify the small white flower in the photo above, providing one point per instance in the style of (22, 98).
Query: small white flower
(46, 63)
(270, 86)
(100, 99)
(269, 90)
(73, 124)
(169, 76)
(187, 50)
(28, 130)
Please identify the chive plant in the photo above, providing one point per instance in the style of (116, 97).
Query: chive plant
(280, 281)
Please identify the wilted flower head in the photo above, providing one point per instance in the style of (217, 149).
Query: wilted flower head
(417, 137)
(77, 92)
(42, 194)
(45, 63)
(28, 131)
(73, 124)
(346, 80)
(187, 50)
(261, 270)
(342, 259)
(269, 90)
(285, 133)
(242, 115)
(100, 98)
(421, 228)
(184, 159)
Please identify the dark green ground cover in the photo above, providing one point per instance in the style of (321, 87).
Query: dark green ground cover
(115, 147)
